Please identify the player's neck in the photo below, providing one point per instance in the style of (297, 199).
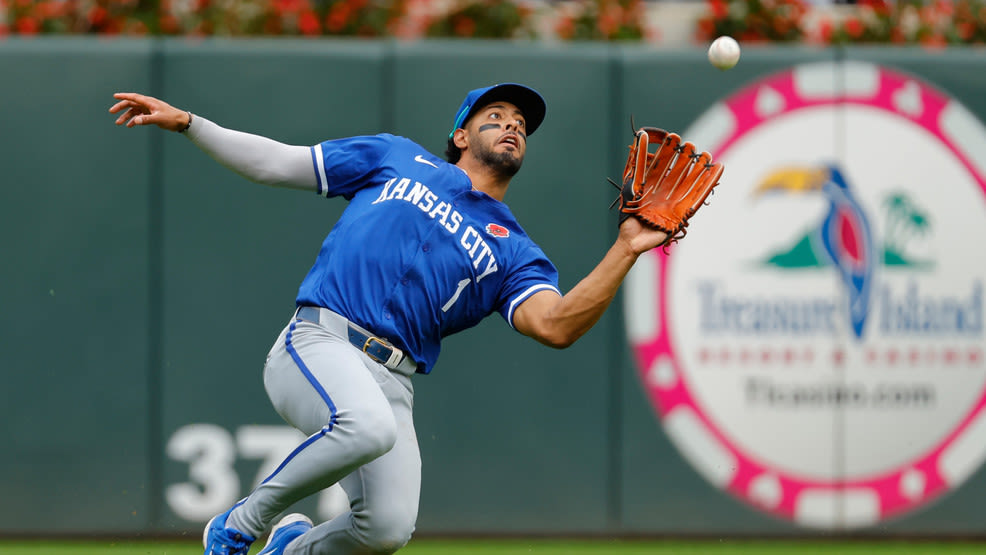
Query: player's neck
(484, 178)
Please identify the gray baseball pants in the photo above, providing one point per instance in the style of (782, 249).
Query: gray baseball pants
(358, 416)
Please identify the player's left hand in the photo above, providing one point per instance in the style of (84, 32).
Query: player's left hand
(639, 237)
(139, 109)
(662, 190)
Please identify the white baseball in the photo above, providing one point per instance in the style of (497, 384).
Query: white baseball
(724, 52)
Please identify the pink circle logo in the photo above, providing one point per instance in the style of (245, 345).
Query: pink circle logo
(815, 346)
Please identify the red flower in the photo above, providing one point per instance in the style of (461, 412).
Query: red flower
(48, 9)
(168, 24)
(565, 27)
(97, 16)
(781, 26)
(966, 30)
(27, 26)
(825, 29)
(934, 41)
(309, 24)
(607, 24)
(137, 27)
(751, 35)
(112, 27)
(203, 29)
(338, 17)
(719, 9)
(288, 6)
(854, 27)
(706, 28)
(880, 7)
(464, 26)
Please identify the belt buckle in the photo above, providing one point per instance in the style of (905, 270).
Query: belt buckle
(369, 343)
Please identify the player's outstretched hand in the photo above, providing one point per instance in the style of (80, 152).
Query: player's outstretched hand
(641, 238)
(139, 109)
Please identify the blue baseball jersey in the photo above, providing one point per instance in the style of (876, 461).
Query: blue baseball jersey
(417, 254)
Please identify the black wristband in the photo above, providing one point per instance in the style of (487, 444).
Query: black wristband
(187, 125)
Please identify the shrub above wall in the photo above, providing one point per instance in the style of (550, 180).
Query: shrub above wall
(927, 22)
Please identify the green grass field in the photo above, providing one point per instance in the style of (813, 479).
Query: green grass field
(536, 547)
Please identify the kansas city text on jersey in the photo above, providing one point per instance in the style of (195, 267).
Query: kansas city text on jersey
(450, 219)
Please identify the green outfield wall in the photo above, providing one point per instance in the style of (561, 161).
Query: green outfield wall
(143, 285)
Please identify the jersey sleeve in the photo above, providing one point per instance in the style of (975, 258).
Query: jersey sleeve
(344, 166)
(534, 273)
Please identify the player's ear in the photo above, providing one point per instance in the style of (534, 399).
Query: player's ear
(460, 138)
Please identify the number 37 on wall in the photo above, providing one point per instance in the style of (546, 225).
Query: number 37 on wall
(213, 485)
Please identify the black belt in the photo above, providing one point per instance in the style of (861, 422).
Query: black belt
(376, 348)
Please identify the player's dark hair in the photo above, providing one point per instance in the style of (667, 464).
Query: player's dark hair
(452, 152)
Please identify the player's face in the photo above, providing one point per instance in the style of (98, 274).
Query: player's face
(499, 137)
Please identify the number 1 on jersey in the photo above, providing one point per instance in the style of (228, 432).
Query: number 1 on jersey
(458, 291)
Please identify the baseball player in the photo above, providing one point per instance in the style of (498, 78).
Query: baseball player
(371, 314)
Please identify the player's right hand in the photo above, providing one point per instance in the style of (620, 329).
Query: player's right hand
(139, 109)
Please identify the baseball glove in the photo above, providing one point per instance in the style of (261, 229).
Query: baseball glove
(665, 188)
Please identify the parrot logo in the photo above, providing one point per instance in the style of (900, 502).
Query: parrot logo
(841, 240)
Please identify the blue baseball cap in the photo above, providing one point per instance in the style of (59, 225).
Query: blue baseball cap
(525, 98)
